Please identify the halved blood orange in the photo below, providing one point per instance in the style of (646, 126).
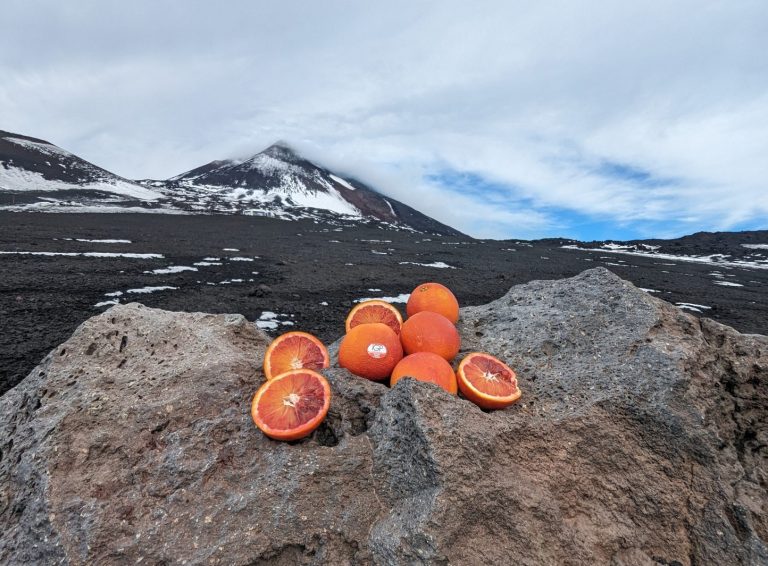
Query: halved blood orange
(372, 311)
(291, 405)
(295, 350)
(487, 382)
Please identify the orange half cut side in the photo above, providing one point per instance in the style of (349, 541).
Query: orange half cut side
(291, 405)
(295, 350)
(487, 381)
(373, 311)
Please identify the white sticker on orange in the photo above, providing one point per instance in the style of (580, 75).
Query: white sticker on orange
(377, 351)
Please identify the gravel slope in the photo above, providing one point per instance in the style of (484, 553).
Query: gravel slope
(291, 269)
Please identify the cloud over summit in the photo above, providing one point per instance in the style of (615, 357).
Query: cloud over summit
(651, 118)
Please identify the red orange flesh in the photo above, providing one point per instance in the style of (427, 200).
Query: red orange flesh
(295, 350)
(291, 405)
(487, 381)
(369, 312)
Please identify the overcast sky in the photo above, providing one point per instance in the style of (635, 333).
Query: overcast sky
(588, 119)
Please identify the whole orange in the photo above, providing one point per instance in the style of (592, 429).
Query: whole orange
(426, 366)
(433, 297)
(430, 332)
(370, 351)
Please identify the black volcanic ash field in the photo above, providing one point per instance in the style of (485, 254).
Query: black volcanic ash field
(301, 275)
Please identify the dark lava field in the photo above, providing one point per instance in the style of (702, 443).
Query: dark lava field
(305, 276)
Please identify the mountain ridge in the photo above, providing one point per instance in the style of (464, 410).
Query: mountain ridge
(34, 166)
(277, 182)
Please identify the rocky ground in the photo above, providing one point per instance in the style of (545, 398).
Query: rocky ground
(640, 439)
(307, 275)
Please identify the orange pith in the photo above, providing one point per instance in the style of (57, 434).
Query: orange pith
(487, 382)
(433, 297)
(291, 405)
(372, 311)
(295, 350)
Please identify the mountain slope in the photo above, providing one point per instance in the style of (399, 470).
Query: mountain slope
(36, 171)
(277, 182)
(280, 183)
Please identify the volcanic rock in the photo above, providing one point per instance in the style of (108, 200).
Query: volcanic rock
(260, 291)
(641, 438)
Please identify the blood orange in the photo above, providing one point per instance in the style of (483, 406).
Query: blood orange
(372, 311)
(430, 332)
(487, 382)
(433, 297)
(425, 366)
(370, 351)
(291, 405)
(295, 350)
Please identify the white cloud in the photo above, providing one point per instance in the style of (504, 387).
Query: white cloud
(534, 96)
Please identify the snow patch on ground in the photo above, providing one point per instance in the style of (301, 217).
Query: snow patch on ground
(402, 298)
(269, 320)
(22, 180)
(101, 241)
(649, 290)
(240, 258)
(331, 200)
(138, 291)
(727, 284)
(147, 290)
(342, 182)
(230, 249)
(207, 263)
(693, 306)
(90, 254)
(755, 246)
(61, 207)
(714, 259)
(437, 264)
(618, 247)
(44, 148)
(171, 269)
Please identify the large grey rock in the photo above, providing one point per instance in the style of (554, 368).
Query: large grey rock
(641, 438)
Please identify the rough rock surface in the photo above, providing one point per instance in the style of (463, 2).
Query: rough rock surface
(641, 438)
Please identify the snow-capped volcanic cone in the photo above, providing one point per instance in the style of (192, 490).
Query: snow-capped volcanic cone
(280, 183)
(37, 174)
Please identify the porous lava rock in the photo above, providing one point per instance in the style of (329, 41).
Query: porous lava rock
(641, 438)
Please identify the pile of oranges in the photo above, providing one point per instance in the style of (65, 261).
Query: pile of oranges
(380, 346)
